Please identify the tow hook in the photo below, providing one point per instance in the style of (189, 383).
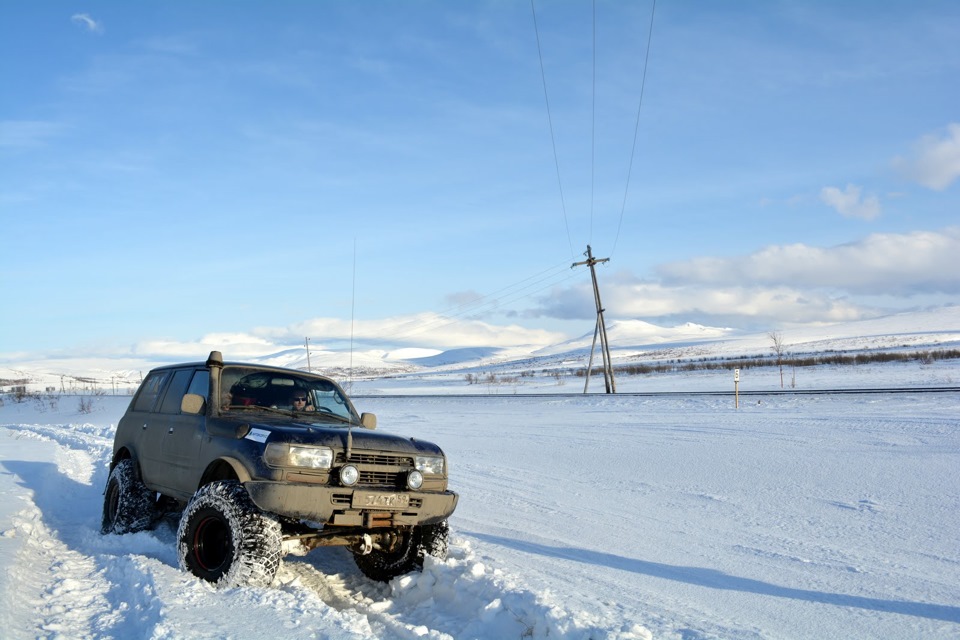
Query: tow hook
(365, 545)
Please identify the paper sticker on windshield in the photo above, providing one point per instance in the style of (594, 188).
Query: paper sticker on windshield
(258, 435)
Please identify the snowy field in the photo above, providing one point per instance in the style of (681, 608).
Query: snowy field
(816, 516)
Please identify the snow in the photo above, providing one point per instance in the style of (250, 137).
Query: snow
(672, 516)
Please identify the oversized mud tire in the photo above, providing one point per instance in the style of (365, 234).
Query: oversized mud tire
(225, 539)
(128, 505)
(434, 540)
(408, 553)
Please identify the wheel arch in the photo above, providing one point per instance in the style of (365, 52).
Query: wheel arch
(224, 469)
(123, 453)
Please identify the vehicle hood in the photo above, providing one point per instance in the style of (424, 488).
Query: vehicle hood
(336, 436)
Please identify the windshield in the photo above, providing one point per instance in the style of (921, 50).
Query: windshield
(304, 396)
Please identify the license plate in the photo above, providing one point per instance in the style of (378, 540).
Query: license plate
(381, 501)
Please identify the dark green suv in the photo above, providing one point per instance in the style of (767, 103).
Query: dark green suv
(264, 461)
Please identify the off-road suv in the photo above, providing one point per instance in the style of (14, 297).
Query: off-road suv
(263, 461)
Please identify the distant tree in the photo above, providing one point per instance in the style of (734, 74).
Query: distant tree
(777, 347)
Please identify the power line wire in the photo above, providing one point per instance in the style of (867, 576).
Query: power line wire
(636, 129)
(454, 314)
(556, 157)
(593, 125)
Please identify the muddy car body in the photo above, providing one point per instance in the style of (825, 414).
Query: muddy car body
(261, 461)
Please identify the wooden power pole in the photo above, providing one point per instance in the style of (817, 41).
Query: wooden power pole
(601, 328)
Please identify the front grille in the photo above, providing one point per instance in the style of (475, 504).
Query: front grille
(378, 470)
(380, 479)
(381, 459)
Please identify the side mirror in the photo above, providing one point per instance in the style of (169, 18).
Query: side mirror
(192, 403)
(368, 421)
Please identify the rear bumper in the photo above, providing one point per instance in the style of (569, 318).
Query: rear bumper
(356, 507)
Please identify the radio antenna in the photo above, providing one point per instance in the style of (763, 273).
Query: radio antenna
(353, 298)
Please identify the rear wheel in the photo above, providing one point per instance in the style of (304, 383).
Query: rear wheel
(224, 538)
(128, 505)
(406, 554)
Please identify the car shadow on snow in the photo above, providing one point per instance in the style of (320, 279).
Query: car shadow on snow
(713, 579)
(66, 504)
(73, 511)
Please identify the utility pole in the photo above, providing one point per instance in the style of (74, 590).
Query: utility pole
(307, 343)
(601, 328)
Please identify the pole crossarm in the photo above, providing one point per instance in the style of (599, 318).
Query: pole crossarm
(590, 261)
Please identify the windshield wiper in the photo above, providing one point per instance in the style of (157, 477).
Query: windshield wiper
(256, 407)
(325, 414)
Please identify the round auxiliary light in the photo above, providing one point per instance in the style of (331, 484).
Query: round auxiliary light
(349, 475)
(414, 479)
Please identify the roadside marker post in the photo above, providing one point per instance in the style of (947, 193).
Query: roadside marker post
(736, 388)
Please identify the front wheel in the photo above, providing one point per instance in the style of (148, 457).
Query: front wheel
(225, 539)
(406, 554)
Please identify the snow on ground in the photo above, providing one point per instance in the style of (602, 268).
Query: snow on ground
(681, 517)
(753, 380)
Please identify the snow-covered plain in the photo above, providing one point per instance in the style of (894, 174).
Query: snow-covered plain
(594, 516)
(581, 516)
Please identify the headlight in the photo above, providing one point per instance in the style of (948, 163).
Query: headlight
(429, 465)
(349, 475)
(414, 480)
(280, 454)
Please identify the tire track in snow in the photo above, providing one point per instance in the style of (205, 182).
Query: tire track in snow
(460, 597)
(62, 586)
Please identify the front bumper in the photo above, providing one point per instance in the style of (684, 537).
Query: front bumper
(356, 507)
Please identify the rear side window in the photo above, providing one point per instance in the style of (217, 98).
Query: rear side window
(150, 390)
(200, 384)
(175, 391)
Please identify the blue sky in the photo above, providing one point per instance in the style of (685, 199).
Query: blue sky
(176, 174)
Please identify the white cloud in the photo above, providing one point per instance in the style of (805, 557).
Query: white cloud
(421, 330)
(892, 264)
(88, 23)
(630, 298)
(935, 162)
(239, 345)
(849, 204)
(427, 333)
(794, 283)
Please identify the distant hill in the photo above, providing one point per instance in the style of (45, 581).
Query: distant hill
(631, 341)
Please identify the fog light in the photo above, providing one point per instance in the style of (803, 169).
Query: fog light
(414, 479)
(349, 475)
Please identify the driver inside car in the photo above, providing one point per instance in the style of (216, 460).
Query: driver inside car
(299, 401)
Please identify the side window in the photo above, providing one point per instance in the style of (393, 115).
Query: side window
(200, 384)
(149, 391)
(175, 391)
